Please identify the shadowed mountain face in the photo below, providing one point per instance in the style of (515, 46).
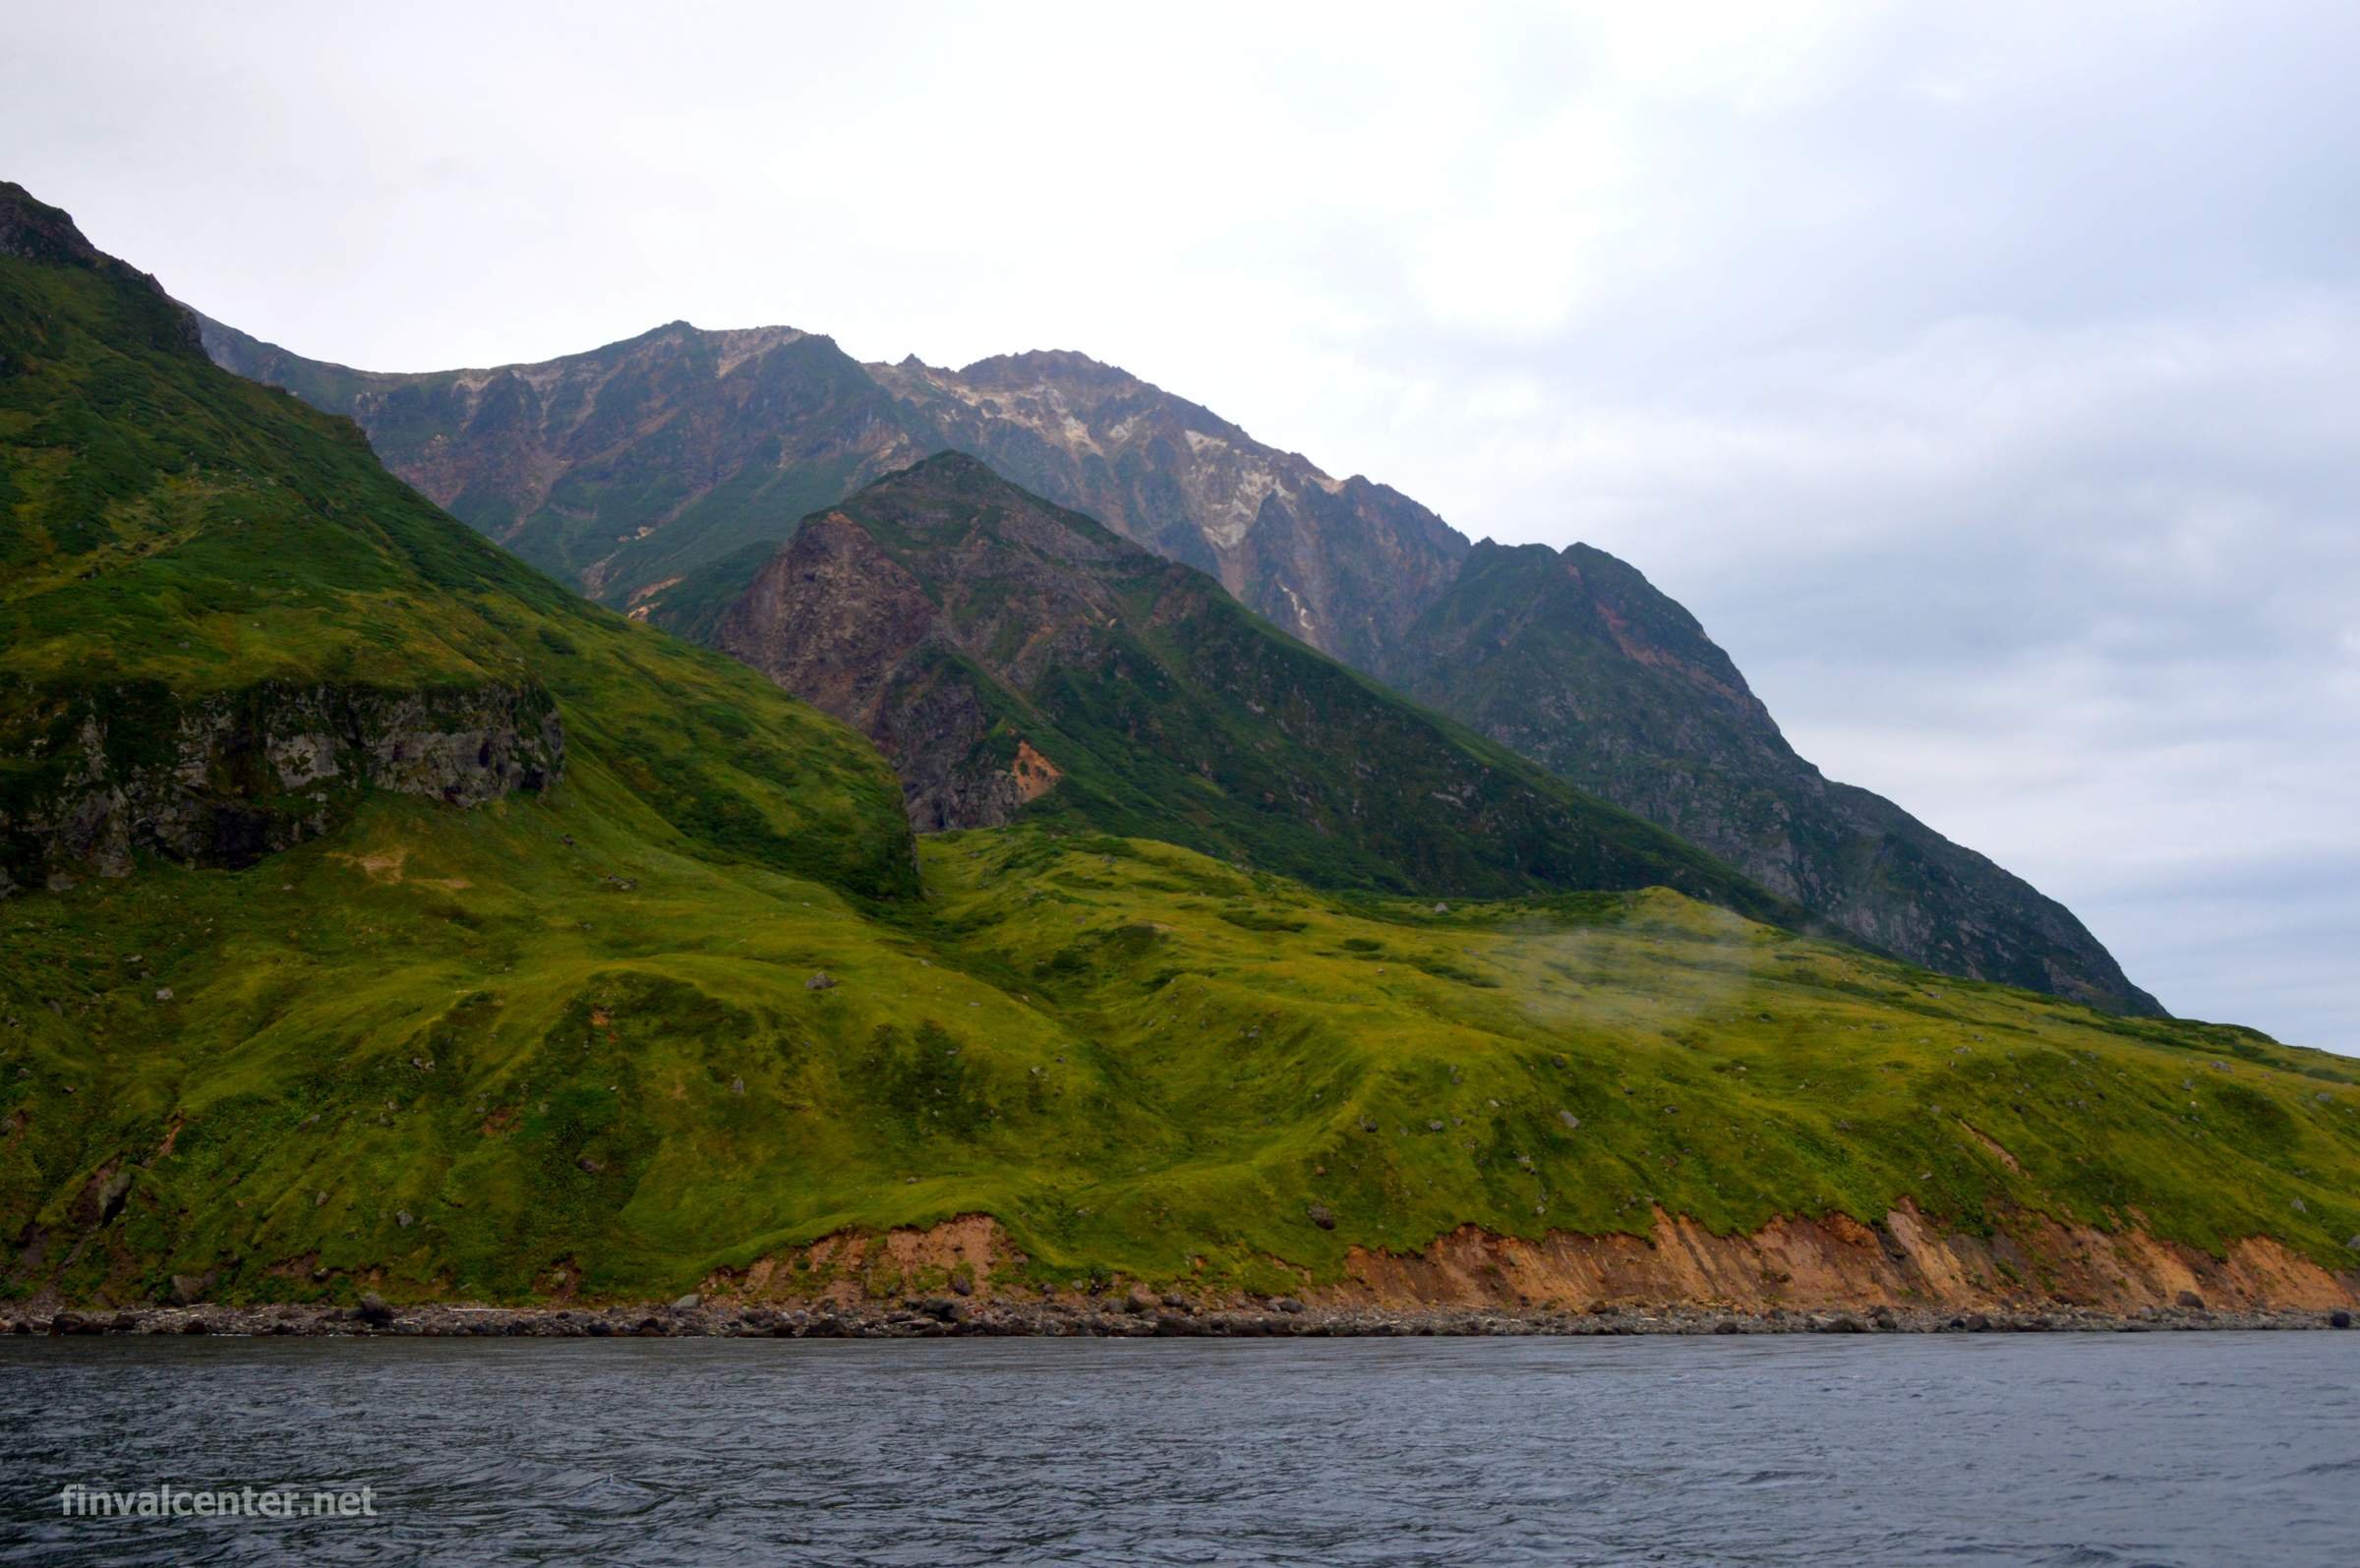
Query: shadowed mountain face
(1010, 655)
(1575, 660)
(661, 473)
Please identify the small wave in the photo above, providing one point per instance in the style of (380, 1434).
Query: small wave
(1780, 1478)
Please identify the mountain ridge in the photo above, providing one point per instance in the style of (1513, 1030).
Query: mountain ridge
(1573, 659)
(1350, 566)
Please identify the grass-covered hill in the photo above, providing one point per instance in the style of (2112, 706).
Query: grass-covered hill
(681, 994)
(451, 1054)
(1016, 658)
(222, 624)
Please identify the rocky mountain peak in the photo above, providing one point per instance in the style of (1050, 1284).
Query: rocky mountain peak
(1037, 366)
(33, 230)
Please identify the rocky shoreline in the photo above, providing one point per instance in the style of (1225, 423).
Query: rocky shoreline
(1136, 1316)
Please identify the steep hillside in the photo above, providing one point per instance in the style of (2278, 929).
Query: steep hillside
(633, 997)
(1575, 660)
(491, 1072)
(1508, 642)
(1010, 655)
(226, 626)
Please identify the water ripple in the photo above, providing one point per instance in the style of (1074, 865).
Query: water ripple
(2050, 1449)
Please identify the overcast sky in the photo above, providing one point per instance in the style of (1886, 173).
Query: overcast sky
(1985, 377)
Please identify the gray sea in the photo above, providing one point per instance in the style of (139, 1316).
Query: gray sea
(2066, 1449)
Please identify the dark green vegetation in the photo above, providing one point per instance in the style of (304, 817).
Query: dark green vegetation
(956, 618)
(691, 1001)
(1575, 660)
(658, 472)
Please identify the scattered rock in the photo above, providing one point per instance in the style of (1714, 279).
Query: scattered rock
(372, 1309)
(111, 1196)
(1288, 1304)
(163, 993)
(822, 980)
(2340, 1318)
(404, 1218)
(1569, 1119)
(1322, 1216)
(688, 1303)
(2189, 1299)
(187, 1289)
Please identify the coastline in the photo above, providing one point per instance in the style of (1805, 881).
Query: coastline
(1134, 1317)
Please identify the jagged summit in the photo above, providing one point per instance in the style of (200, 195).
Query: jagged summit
(1034, 366)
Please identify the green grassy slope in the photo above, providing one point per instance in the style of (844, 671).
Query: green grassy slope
(174, 533)
(605, 1057)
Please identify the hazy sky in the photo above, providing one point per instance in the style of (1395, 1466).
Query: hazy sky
(1987, 377)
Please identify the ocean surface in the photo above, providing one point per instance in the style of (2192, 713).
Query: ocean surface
(2068, 1449)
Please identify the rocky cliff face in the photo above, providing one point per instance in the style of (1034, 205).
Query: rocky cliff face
(1340, 563)
(224, 779)
(842, 624)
